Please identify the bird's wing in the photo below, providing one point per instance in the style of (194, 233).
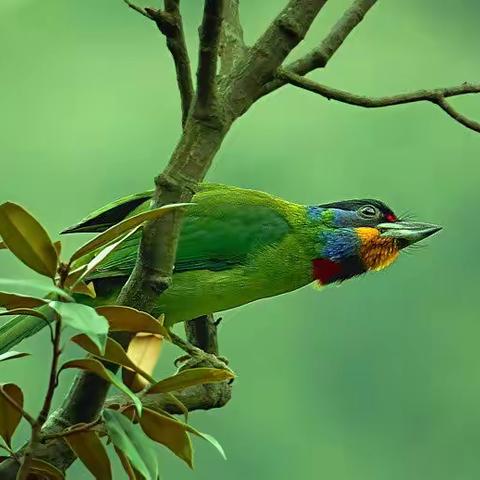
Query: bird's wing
(219, 231)
(114, 212)
(105, 217)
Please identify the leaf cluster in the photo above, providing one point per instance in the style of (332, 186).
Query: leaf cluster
(131, 429)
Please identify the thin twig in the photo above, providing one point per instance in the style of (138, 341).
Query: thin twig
(178, 48)
(319, 57)
(35, 438)
(210, 31)
(138, 9)
(170, 23)
(460, 118)
(84, 427)
(437, 96)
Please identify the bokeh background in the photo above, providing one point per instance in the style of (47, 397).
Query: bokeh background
(377, 379)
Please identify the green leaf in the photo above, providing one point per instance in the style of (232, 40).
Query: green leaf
(9, 416)
(85, 319)
(46, 470)
(168, 432)
(91, 451)
(209, 438)
(92, 365)
(123, 227)
(38, 289)
(130, 439)
(25, 311)
(127, 466)
(114, 353)
(27, 239)
(127, 319)
(191, 377)
(12, 355)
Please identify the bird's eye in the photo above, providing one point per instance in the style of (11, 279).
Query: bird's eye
(368, 211)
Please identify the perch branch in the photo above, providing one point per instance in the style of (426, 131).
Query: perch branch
(319, 57)
(437, 96)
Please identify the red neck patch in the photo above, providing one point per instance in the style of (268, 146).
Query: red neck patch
(326, 271)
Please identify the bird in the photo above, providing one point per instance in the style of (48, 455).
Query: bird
(238, 246)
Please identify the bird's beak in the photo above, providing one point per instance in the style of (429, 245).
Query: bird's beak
(407, 233)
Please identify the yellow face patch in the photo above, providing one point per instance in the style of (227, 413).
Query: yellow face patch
(376, 252)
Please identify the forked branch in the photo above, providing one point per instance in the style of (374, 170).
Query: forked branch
(438, 96)
(319, 56)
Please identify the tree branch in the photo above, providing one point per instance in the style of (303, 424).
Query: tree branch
(319, 57)
(210, 32)
(232, 45)
(250, 74)
(460, 118)
(170, 23)
(437, 96)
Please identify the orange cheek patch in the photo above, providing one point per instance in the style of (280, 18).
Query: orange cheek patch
(376, 252)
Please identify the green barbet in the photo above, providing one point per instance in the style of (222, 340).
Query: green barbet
(237, 246)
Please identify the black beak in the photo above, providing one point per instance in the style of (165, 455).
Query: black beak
(407, 233)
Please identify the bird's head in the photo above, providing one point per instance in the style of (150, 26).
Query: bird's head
(357, 236)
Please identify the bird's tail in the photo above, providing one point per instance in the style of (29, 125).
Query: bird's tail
(17, 329)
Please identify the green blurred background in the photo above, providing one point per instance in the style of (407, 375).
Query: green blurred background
(378, 379)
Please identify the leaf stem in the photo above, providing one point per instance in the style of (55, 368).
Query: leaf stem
(47, 404)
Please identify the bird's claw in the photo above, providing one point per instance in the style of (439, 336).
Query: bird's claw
(199, 358)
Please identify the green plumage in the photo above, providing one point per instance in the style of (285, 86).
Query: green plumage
(239, 245)
(236, 246)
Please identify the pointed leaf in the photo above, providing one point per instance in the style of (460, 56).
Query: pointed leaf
(15, 300)
(25, 311)
(144, 351)
(210, 439)
(45, 469)
(91, 451)
(127, 319)
(168, 432)
(123, 227)
(127, 466)
(9, 416)
(84, 319)
(130, 439)
(191, 377)
(27, 239)
(11, 355)
(85, 289)
(74, 276)
(101, 256)
(58, 247)
(92, 365)
(39, 289)
(114, 353)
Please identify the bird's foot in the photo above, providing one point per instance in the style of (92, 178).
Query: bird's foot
(196, 357)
